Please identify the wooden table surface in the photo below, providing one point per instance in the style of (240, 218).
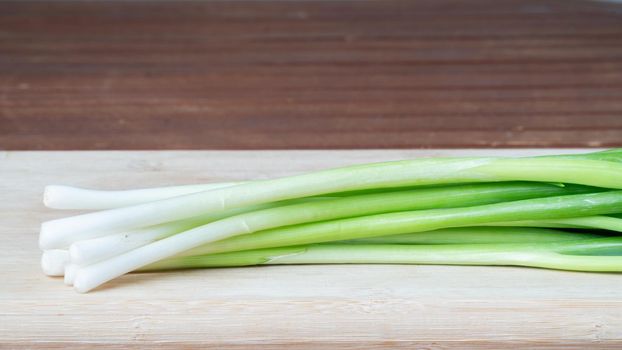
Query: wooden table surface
(277, 307)
(310, 74)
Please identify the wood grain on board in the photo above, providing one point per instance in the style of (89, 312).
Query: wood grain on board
(310, 74)
(277, 307)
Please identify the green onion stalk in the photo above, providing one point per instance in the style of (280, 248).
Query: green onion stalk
(269, 229)
(594, 255)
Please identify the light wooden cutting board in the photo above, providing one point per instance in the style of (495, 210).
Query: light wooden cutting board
(287, 307)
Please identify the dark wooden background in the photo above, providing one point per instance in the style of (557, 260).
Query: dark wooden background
(310, 74)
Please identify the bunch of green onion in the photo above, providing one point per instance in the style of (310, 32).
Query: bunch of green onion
(558, 212)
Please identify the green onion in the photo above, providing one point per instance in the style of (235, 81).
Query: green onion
(87, 250)
(441, 197)
(461, 235)
(597, 255)
(418, 172)
(92, 276)
(478, 210)
(417, 221)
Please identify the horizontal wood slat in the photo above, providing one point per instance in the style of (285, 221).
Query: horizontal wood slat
(310, 74)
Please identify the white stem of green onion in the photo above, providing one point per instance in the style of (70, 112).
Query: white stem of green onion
(68, 197)
(70, 273)
(90, 251)
(53, 261)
